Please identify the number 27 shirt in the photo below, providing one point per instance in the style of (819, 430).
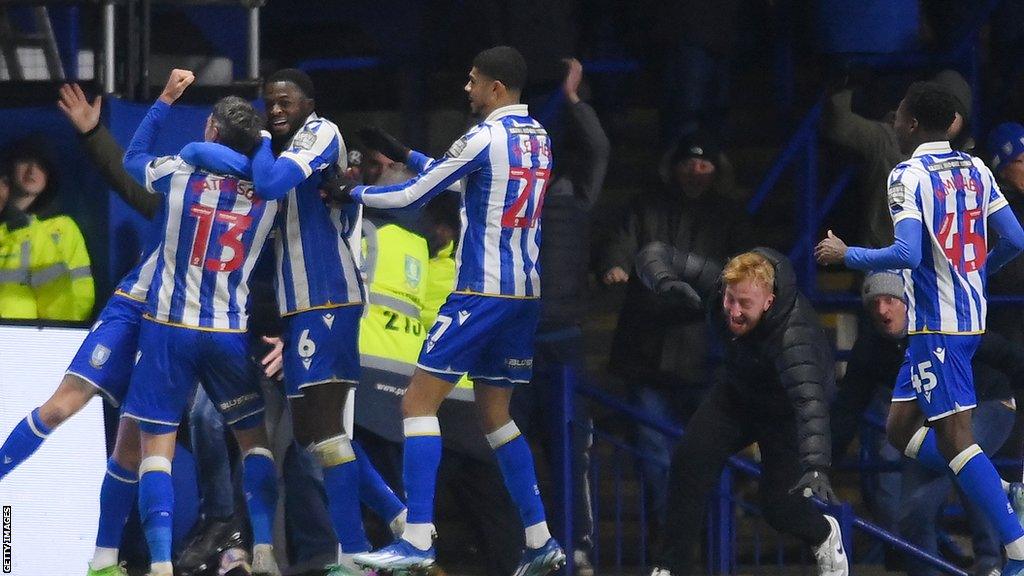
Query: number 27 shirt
(502, 166)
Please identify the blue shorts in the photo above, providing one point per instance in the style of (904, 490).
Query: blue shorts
(172, 360)
(321, 346)
(107, 354)
(937, 373)
(490, 338)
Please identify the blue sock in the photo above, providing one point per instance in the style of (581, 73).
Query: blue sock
(978, 479)
(26, 437)
(420, 462)
(156, 506)
(516, 463)
(259, 478)
(927, 451)
(117, 494)
(341, 481)
(373, 490)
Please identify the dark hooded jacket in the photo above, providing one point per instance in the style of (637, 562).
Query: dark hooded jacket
(785, 362)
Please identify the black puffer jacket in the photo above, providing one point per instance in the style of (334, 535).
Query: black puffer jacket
(787, 351)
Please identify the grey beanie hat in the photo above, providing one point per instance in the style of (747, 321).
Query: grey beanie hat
(883, 283)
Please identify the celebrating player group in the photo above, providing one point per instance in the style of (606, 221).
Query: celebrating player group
(276, 182)
(180, 318)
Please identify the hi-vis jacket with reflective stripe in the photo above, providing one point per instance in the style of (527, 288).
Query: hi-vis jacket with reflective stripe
(395, 267)
(45, 272)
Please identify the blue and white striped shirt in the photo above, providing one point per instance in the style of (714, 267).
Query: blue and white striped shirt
(952, 194)
(502, 166)
(316, 267)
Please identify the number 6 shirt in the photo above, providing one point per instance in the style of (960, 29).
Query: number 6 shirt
(502, 166)
(213, 230)
(941, 202)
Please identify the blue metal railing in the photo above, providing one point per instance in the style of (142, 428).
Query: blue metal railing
(722, 529)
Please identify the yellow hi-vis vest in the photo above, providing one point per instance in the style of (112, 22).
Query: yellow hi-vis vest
(391, 332)
(17, 298)
(62, 277)
(441, 283)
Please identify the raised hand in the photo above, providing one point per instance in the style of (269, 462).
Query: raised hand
(573, 77)
(177, 82)
(73, 103)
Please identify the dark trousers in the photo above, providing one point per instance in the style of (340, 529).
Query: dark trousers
(730, 418)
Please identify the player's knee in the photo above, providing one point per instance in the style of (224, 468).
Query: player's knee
(71, 396)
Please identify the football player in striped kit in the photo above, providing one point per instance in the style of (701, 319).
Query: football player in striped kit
(486, 327)
(319, 292)
(942, 203)
(214, 226)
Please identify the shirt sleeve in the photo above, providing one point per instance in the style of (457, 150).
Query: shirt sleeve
(146, 168)
(465, 156)
(904, 194)
(314, 147)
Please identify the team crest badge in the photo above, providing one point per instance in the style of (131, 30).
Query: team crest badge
(99, 357)
(413, 271)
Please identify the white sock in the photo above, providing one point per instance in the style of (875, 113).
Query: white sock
(347, 561)
(537, 535)
(397, 523)
(161, 569)
(103, 558)
(1015, 549)
(1006, 485)
(419, 535)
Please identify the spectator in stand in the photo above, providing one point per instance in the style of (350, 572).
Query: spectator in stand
(582, 147)
(17, 299)
(1006, 146)
(660, 346)
(872, 144)
(59, 271)
(911, 501)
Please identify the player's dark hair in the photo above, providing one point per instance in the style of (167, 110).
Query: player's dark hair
(238, 124)
(295, 76)
(932, 105)
(503, 63)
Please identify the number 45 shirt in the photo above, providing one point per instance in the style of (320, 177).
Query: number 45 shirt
(503, 166)
(952, 194)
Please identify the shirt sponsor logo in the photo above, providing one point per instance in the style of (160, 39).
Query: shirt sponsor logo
(456, 148)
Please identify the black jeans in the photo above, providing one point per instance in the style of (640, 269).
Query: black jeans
(731, 417)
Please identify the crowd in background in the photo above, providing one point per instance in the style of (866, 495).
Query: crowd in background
(662, 352)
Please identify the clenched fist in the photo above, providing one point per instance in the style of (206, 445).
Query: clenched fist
(176, 84)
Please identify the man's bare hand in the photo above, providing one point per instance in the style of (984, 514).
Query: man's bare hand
(573, 77)
(73, 103)
(177, 82)
(615, 275)
(831, 250)
(273, 360)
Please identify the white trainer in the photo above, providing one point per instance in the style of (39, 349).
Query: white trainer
(831, 555)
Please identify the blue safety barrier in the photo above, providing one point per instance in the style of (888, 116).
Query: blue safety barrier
(724, 505)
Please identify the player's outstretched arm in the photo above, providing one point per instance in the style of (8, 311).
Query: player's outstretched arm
(905, 252)
(465, 156)
(1011, 239)
(137, 157)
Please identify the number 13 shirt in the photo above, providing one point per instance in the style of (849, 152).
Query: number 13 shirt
(502, 166)
(952, 194)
